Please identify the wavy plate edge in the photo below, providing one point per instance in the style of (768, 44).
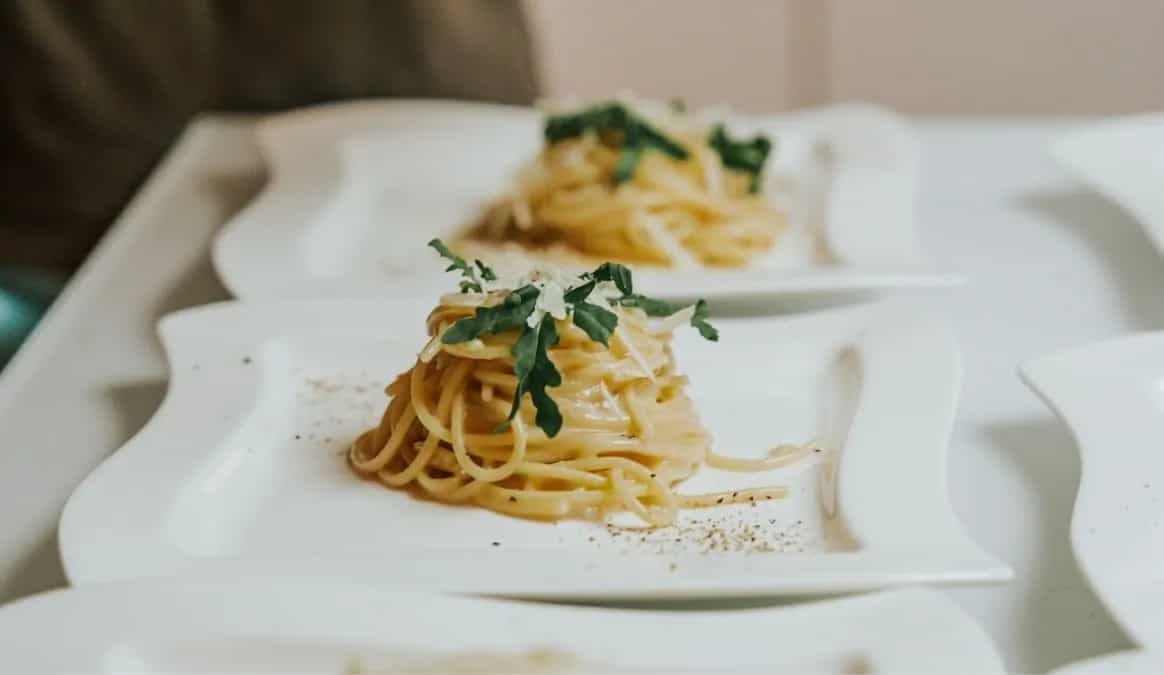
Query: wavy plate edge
(1074, 383)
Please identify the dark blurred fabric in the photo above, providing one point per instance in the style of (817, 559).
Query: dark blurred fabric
(95, 91)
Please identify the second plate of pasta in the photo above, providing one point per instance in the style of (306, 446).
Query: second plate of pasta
(699, 203)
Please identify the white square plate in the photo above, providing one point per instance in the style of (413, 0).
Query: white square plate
(357, 189)
(1111, 396)
(1123, 159)
(243, 465)
(302, 625)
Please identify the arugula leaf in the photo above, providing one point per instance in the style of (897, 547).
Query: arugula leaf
(527, 293)
(468, 328)
(487, 273)
(545, 374)
(580, 292)
(651, 306)
(744, 155)
(597, 322)
(600, 117)
(616, 126)
(657, 308)
(699, 321)
(471, 282)
(627, 161)
(458, 262)
(619, 274)
(510, 314)
(548, 417)
(535, 371)
(748, 156)
(524, 352)
(652, 138)
(754, 183)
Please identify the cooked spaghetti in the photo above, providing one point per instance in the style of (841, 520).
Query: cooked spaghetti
(611, 184)
(626, 432)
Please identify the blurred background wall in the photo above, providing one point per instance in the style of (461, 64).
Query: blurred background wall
(967, 57)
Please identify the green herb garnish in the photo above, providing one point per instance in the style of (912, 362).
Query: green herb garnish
(747, 156)
(653, 307)
(486, 273)
(615, 125)
(650, 306)
(510, 314)
(699, 321)
(619, 274)
(531, 359)
(535, 371)
(598, 322)
(471, 281)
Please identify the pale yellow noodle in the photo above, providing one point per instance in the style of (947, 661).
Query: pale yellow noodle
(630, 434)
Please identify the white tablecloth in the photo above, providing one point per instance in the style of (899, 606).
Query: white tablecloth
(1049, 264)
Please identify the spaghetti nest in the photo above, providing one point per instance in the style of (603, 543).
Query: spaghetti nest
(592, 196)
(630, 433)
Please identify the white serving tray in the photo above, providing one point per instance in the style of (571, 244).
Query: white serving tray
(242, 467)
(1111, 396)
(292, 625)
(357, 189)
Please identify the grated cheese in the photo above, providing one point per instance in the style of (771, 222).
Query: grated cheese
(679, 256)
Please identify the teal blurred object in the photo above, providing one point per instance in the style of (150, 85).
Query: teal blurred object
(25, 294)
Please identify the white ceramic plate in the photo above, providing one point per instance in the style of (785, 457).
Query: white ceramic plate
(304, 625)
(1111, 395)
(356, 190)
(1124, 160)
(243, 466)
(1132, 662)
